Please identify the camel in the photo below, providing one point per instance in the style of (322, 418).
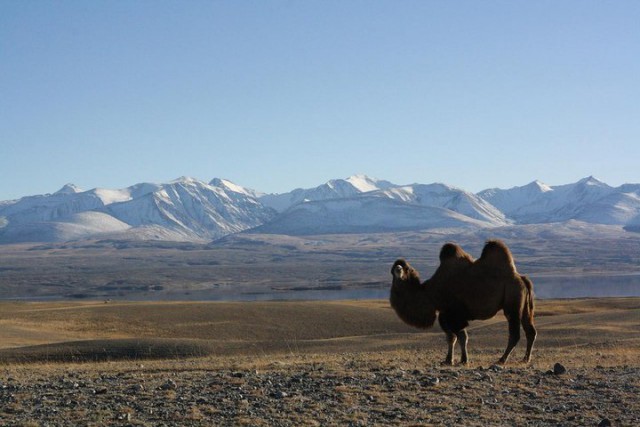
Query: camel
(464, 289)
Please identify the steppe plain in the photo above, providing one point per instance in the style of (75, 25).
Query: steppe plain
(77, 349)
(309, 363)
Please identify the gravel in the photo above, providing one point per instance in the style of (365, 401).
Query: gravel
(355, 394)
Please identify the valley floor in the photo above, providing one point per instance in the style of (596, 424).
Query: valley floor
(309, 363)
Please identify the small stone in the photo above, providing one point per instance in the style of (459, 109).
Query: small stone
(280, 394)
(137, 388)
(605, 423)
(559, 369)
(126, 416)
(169, 385)
(432, 381)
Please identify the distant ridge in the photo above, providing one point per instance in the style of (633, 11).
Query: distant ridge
(188, 209)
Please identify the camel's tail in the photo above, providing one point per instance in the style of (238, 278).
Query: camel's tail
(530, 297)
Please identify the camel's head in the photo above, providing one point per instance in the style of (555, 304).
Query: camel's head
(401, 270)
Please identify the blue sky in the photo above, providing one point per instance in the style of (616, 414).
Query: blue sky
(275, 95)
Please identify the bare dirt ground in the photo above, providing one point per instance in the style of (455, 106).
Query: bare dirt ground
(309, 363)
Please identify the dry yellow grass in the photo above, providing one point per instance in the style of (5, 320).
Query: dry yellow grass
(590, 331)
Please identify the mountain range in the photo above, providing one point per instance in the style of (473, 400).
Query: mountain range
(188, 209)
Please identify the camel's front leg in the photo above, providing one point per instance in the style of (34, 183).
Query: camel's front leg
(451, 341)
(463, 338)
(451, 337)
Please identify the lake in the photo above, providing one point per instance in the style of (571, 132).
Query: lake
(547, 287)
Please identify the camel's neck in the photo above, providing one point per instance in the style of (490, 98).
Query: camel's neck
(413, 303)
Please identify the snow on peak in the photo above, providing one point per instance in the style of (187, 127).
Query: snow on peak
(541, 186)
(69, 189)
(112, 196)
(185, 180)
(591, 180)
(230, 186)
(363, 183)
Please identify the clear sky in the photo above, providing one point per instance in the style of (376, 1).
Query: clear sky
(275, 95)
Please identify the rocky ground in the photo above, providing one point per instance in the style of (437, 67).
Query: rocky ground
(310, 363)
(358, 390)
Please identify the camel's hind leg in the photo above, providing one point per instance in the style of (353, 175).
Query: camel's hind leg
(514, 335)
(530, 332)
(527, 319)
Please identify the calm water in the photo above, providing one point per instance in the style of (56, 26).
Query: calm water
(587, 286)
(545, 288)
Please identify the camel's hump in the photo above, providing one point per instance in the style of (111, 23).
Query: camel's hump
(496, 252)
(451, 250)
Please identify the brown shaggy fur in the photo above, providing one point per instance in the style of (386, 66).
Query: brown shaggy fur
(461, 290)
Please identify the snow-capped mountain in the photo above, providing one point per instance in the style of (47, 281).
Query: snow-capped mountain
(511, 200)
(448, 197)
(69, 189)
(50, 207)
(365, 214)
(588, 200)
(360, 203)
(615, 209)
(109, 196)
(193, 207)
(185, 209)
(334, 189)
(73, 227)
(190, 209)
(230, 186)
